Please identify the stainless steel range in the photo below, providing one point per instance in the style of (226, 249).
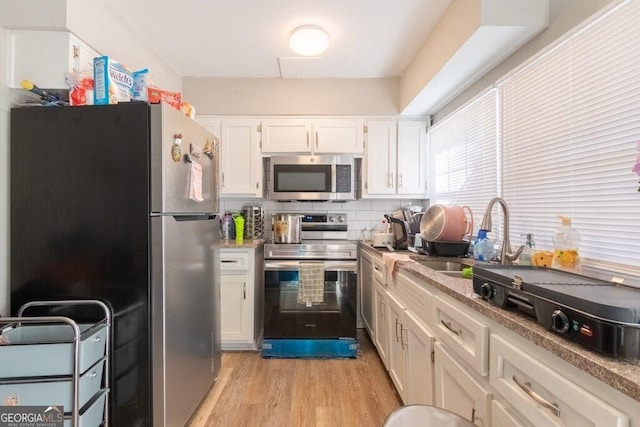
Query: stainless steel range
(600, 315)
(311, 292)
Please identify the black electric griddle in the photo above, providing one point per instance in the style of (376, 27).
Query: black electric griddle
(601, 315)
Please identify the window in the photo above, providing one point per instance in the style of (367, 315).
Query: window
(464, 156)
(567, 128)
(571, 123)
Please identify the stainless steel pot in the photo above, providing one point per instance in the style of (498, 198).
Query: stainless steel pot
(441, 223)
(286, 228)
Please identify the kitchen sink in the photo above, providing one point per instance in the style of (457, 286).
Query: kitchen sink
(449, 268)
(440, 265)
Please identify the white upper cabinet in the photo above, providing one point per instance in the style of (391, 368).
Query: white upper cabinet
(338, 136)
(380, 158)
(240, 160)
(412, 158)
(395, 159)
(45, 56)
(286, 136)
(312, 136)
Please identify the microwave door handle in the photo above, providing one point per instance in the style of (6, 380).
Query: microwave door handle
(333, 177)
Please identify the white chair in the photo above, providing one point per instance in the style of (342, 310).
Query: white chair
(425, 416)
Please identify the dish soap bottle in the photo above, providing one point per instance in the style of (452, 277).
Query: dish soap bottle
(529, 249)
(566, 241)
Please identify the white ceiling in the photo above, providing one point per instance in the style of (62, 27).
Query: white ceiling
(249, 38)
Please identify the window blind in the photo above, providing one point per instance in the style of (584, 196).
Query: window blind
(464, 157)
(570, 130)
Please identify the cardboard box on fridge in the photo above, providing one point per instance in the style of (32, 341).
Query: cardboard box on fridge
(172, 98)
(112, 81)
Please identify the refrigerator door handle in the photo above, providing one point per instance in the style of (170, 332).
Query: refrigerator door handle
(193, 217)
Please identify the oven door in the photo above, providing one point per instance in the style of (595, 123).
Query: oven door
(331, 316)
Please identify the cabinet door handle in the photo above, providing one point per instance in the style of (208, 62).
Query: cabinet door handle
(447, 325)
(229, 261)
(244, 290)
(316, 139)
(222, 179)
(390, 182)
(400, 180)
(403, 343)
(474, 417)
(526, 387)
(382, 309)
(307, 139)
(397, 323)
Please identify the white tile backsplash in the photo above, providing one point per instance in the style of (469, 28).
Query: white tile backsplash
(361, 214)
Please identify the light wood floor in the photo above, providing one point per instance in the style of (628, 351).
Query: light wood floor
(252, 391)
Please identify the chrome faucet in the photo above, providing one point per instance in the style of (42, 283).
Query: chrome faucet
(506, 256)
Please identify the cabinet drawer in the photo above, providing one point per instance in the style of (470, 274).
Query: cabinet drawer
(234, 261)
(415, 297)
(542, 395)
(465, 335)
(379, 271)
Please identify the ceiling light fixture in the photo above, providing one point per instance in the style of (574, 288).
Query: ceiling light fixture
(309, 40)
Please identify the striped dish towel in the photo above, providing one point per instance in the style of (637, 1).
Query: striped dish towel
(311, 286)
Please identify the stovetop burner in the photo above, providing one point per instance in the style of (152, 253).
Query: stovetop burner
(599, 314)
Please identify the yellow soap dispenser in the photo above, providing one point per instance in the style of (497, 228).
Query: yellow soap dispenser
(566, 241)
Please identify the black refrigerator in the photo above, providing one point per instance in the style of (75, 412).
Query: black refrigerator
(119, 203)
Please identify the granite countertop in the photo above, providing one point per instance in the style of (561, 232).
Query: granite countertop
(246, 244)
(622, 375)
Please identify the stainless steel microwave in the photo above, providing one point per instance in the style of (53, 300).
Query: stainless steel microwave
(311, 178)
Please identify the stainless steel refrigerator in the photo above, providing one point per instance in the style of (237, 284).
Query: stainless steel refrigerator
(120, 203)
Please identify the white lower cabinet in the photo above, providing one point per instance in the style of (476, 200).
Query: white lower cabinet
(501, 416)
(459, 390)
(410, 360)
(418, 361)
(396, 363)
(542, 395)
(241, 300)
(441, 352)
(381, 335)
(236, 310)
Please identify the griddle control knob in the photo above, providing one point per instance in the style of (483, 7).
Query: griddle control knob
(487, 291)
(559, 322)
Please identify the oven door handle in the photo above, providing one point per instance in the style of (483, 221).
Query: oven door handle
(289, 265)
